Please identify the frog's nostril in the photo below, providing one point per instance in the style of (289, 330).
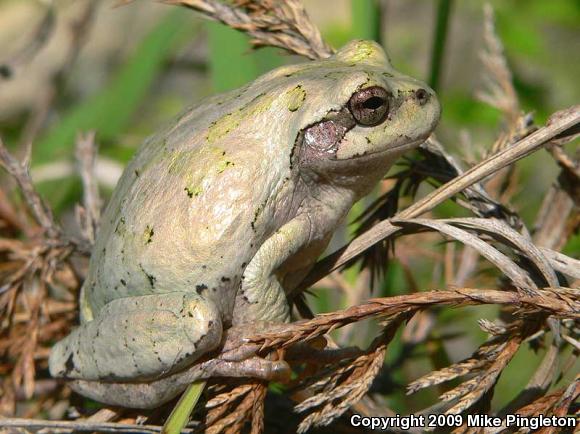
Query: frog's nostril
(5, 72)
(422, 96)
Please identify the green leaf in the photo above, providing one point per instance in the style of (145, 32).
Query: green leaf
(337, 34)
(521, 37)
(462, 109)
(232, 62)
(439, 41)
(182, 411)
(229, 64)
(110, 111)
(572, 247)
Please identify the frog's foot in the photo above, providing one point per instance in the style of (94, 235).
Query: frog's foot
(239, 357)
(236, 340)
(253, 367)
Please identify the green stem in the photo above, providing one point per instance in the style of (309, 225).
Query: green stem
(366, 19)
(182, 411)
(439, 39)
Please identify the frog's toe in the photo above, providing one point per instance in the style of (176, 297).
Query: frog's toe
(254, 367)
(280, 371)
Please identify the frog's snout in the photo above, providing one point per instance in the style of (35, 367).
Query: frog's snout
(427, 106)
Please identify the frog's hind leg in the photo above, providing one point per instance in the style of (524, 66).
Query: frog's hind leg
(138, 338)
(157, 392)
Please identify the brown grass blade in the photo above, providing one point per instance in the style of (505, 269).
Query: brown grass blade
(269, 23)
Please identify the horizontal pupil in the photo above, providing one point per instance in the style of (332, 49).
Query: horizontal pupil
(373, 103)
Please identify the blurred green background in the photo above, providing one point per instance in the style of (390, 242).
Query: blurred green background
(144, 63)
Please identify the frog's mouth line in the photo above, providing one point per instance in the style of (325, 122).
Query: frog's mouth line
(396, 149)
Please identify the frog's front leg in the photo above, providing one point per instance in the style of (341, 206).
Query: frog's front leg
(261, 296)
(138, 338)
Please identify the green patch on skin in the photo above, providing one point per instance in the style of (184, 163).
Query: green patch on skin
(148, 235)
(229, 122)
(359, 52)
(175, 160)
(295, 98)
(85, 307)
(193, 191)
(364, 50)
(223, 165)
(214, 161)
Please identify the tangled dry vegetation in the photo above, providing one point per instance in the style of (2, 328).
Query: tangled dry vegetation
(41, 269)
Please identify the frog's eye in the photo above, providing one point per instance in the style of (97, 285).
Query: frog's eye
(369, 106)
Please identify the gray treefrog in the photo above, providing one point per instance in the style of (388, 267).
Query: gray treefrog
(220, 215)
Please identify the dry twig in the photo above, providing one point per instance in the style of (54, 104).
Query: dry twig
(89, 215)
(233, 407)
(282, 24)
(499, 91)
(334, 390)
(559, 302)
(33, 267)
(20, 173)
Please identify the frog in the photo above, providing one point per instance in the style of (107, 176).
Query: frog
(221, 214)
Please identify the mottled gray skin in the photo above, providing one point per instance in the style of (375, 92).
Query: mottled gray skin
(220, 215)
